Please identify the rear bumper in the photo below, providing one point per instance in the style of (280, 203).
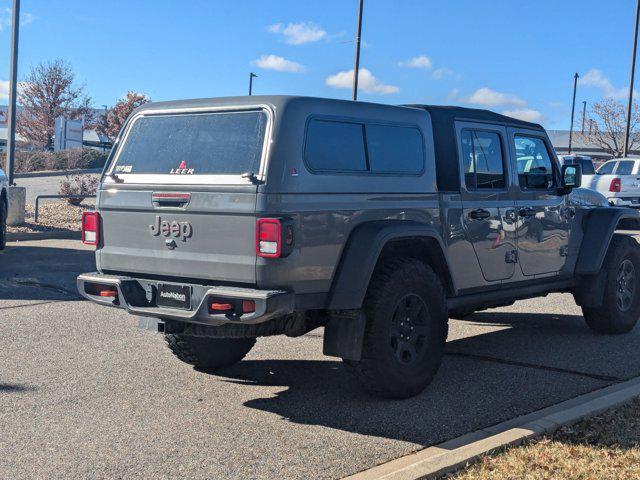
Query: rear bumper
(137, 297)
(624, 202)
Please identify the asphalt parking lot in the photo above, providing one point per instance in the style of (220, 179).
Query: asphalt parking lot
(85, 393)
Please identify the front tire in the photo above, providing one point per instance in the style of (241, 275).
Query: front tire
(406, 330)
(620, 309)
(209, 354)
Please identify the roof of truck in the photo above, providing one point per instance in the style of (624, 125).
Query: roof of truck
(450, 113)
(442, 119)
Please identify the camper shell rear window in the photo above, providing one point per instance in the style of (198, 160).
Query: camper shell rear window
(193, 144)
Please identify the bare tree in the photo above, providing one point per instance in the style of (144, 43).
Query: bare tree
(607, 121)
(48, 92)
(111, 123)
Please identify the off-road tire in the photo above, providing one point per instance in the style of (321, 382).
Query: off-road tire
(380, 371)
(3, 223)
(615, 316)
(209, 354)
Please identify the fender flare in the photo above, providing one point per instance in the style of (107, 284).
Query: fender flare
(361, 253)
(599, 227)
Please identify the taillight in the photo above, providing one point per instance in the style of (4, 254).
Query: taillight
(268, 237)
(616, 185)
(90, 228)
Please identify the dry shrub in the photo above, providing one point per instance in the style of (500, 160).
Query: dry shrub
(78, 185)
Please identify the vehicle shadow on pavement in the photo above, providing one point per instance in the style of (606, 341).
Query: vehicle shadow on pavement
(536, 361)
(34, 272)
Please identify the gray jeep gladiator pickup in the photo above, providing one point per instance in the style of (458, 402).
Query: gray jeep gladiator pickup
(229, 219)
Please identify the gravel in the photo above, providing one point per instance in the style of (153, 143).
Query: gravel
(52, 216)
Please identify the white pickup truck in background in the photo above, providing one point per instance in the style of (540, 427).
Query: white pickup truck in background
(618, 180)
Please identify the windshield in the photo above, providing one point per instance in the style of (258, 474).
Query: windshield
(225, 143)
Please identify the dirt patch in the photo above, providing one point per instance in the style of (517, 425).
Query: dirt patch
(602, 446)
(54, 215)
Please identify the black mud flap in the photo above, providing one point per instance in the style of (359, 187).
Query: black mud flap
(344, 334)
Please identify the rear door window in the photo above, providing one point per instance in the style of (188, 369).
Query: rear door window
(483, 160)
(625, 168)
(225, 143)
(336, 146)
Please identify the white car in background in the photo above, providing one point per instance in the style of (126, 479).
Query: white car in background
(618, 180)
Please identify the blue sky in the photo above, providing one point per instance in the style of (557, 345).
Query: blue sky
(510, 56)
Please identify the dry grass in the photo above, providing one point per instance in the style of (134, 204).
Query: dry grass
(605, 446)
(54, 215)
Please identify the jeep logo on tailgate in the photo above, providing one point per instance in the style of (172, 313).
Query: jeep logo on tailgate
(182, 230)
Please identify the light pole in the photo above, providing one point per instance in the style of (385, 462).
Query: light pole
(584, 114)
(356, 69)
(13, 80)
(251, 76)
(633, 71)
(573, 108)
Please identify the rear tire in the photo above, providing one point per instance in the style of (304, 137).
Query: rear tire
(406, 330)
(209, 354)
(620, 309)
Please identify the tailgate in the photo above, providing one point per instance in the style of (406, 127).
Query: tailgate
(211, 237)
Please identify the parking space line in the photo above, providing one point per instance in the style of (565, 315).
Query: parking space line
(516, 363)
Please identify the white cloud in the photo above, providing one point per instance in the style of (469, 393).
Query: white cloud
(366, 82)
(526, 114)
(421, 61)
(6, 16)
(298, 33)
(490, 98)
(440, 73)
(279, 64)
(595, 78)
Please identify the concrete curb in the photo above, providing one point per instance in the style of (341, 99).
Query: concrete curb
(57, 173)
(46, 235)
(446, 457)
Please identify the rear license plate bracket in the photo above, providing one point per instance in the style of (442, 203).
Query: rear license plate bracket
(171, 295)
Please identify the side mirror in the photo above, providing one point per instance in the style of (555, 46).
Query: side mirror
(571, 177)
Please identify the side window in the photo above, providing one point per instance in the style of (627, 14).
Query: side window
(587, 167)
(336, 146)
(394, 149)
(624, 168)
(535, 167)
(606, 168)
(482, 160)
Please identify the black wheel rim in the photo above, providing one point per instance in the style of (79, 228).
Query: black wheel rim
(409, 329)
(625, 285)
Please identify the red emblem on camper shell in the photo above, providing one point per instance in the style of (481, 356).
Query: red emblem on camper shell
(182, 169)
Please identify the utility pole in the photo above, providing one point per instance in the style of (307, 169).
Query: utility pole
(251, 76)
(573, 108)
(633, 71)
(584, 114)
(356, 69)
(106, 114)
(13, 81)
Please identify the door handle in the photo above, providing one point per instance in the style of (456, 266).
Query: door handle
(479, 214)
(527, 212)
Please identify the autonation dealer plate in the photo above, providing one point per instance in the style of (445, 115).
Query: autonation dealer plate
(174, 296)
